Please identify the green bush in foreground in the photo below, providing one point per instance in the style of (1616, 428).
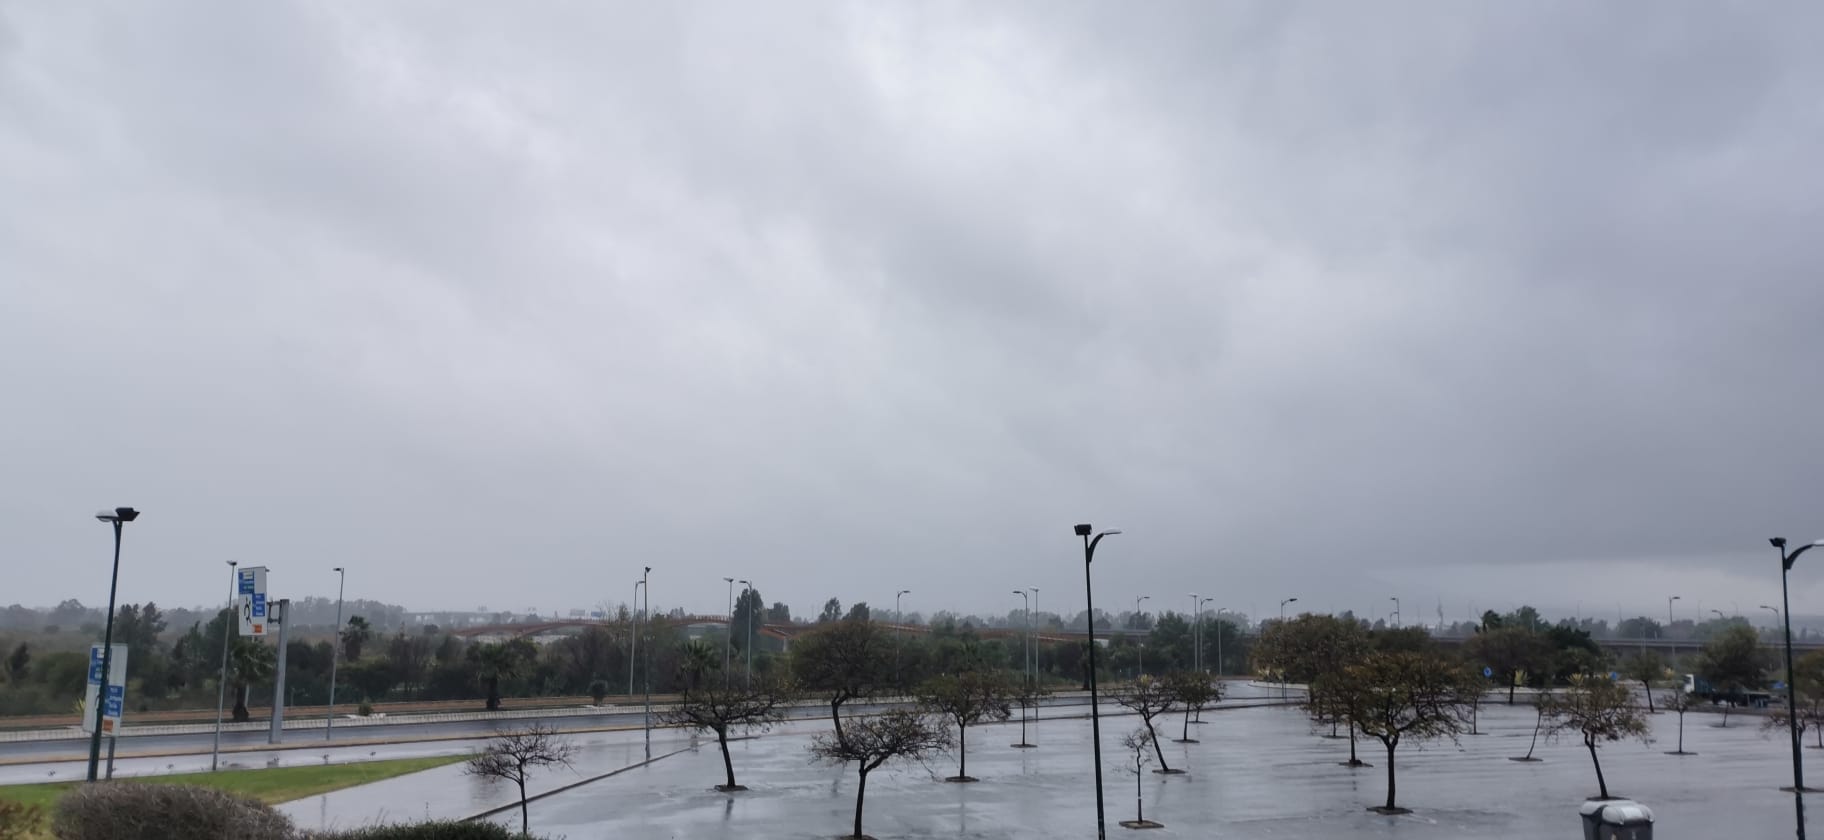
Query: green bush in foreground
(425, 831)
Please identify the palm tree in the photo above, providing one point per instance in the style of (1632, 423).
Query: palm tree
(354, 636)
(497, 661)
(249, 662)
(696, 658)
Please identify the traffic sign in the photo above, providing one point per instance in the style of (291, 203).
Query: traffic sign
(117, 689)
(1487, 671)
(251, 592)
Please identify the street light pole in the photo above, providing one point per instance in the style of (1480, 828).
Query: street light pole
(748, 586)
(1219, 644)
(728, 640)
(1792, 704)
(1194, 640)
(633, 642)
(221, 694)
(1775, 610)
(1142, 645)
(1095, 717)
(1669, 614)
(119, 517)
(1026, 638)
(1282, 623)
(1396, 610)
(899, 624)
(1200, 602)
(646, 599)
(335, 654)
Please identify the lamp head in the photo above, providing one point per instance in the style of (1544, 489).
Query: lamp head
(1290, 600)
(1778, 542)
(1083, 530)
(119, 514)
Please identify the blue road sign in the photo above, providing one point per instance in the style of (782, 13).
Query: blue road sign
(117, 696)
(259, 605)
(1487, 671)
(246, 582)
(1614, 675)
(1779, 686)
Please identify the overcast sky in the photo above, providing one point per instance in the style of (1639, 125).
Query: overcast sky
(1485, 303)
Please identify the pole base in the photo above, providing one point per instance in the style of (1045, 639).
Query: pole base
(1526, 758)
(1024, 746)
(1141, 824)
(1353, 763)
(1390, 812)
(1679, 752)
(730, 788)
(962, 779)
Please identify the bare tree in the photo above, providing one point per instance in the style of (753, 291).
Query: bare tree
(1396, 696)
(1678, 701)
(1137, 743)
(1194, 691)
(513, 754)
(1149, 698)
(715, 707)
(873, 741)
(1028, 694)
(1598, 709)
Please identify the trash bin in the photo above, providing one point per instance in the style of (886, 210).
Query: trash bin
(1591, 812)
(1625, 820)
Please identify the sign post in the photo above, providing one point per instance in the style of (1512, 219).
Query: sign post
(280, 617)
(117, 690)
(251, 589)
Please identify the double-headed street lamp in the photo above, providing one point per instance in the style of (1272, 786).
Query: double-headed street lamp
(1792, 704)
(1095, 717)
(119, 517)
(1396, 610)
(335, 653)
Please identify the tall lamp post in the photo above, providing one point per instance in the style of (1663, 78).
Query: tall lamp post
(221, 694)
(1095, 717)
(1396, 610)
(1775, 610)
(1218, 617)
(899, 623)
(646, 601)
(1282, 622)
(1792, 705)
(1669, 614)
(728, 641)
(1194, 644)
(746, 587)
(633, 644)
(119, 517)
(335, 653)
(1199, 613)
(1719, 614)
(1142, 645)
(1026, 639)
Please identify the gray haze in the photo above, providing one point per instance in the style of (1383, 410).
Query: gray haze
(497, 303)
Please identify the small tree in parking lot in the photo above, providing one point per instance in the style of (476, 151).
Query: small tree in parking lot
(873, 741)
(967, 699)
(1598, 709)
(513, 755)
(1150, 698)
(715, 707)
(1679, 702)
(1395, 697)
(1194, 691)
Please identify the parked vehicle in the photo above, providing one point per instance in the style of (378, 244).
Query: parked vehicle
(1701, 688)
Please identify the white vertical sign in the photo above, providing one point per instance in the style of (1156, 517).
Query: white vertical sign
(251, 590)
(117, 690)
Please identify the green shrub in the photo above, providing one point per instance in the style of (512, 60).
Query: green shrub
(425, 831)
(364, 709)
(126, 811)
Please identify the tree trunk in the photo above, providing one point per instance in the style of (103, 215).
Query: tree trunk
(836, 718)
(493, 694)
(1187, 724)
(1540, 721)
(728, 765)
(1023, 723)
(240, 704)
(525, 820)
(1352, 759)
(1601, 784)
(1726, 707)
(1139, 795)
(1649, 689)
(1681, 732)
(1163, 767)
(1390, 782)
(861, 793)
(962, 752)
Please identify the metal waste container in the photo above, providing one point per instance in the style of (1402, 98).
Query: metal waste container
(1625, 819)
(1591, 812)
